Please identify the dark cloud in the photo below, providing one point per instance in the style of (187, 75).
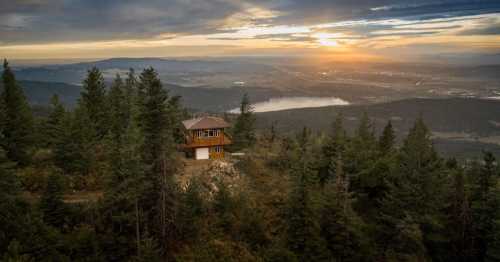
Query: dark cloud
(489, 27)
(34, 21)
(113, 19)
(324, 11)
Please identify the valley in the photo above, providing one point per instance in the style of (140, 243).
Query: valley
(458, 103)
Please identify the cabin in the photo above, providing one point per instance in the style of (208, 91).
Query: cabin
(206, 137)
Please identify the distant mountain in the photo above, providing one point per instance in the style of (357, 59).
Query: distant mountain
(40, 93)
(194, 98)
(74, 73)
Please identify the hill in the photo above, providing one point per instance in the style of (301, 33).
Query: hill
(39, 93)
(460, 126)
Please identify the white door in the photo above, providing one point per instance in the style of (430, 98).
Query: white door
(202, 153)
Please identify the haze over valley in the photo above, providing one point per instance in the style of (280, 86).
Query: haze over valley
(274, 84)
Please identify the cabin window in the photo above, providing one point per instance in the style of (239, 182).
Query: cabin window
(216, 149)
(211, 133)
(207, 133)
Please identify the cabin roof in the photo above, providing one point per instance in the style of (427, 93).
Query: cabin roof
(205, 122)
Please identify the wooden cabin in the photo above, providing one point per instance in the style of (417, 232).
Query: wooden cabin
(206, 137)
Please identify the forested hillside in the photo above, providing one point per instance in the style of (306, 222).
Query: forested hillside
(348, 194)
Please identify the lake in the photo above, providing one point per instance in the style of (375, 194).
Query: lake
(285, 103)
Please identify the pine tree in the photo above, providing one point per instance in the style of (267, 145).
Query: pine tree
(72, 146)
(340, 225)
(387, 139)
(485, 204)
(54, 125)
(243, 130)
(333, 149)
(10, 201)
(224, 207)
(51, 203)
(192, 209)
(365, 131)
(17, 122)
(119, 110)
(360, 159)
(415, 202)
(459, 225)
(93, 102)
(155, 119)
(131, 89)
(303, 224)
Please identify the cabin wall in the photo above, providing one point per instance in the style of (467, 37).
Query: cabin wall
(216, 152)
(197, 138)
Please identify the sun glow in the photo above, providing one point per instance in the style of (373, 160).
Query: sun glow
(328, 42)
(326, 39)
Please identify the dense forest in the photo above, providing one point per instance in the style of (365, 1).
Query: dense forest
(338, 196)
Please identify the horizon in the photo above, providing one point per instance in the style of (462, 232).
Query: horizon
(372, 30)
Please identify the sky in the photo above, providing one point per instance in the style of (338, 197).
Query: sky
(337, 29)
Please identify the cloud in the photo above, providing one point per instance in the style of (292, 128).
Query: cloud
(87, 20)
(370, 25)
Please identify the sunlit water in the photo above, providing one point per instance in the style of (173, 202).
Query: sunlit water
(284, 103)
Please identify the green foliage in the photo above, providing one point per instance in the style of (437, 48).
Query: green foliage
(154, 120)
(51, 203)
(387, 139)
(218, 250)
(243, 130)
(71, 148)
(55, 122)
(340, 225)
(334, 196)
(192, 210)
(485, 205)
(415, 201)
(16, 123)
(93, 103)
(302, 213)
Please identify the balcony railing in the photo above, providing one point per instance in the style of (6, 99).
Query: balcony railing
(207, 141)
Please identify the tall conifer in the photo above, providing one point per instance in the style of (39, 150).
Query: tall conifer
(17, 122)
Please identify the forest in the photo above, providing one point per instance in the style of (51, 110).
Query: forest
(304, 196)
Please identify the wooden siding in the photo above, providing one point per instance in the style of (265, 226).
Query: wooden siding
(193, 140)
(216, 155)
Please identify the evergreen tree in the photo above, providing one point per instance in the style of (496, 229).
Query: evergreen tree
(131, 90)
(192, 209)
(155, 122)
(333, 149)
(17, 122)
(51, 203)
(93, 102)
(119, 110)
(54, 125)
(71, 149)
(243, 130)
(459, 220)
(340, 225)
(11, 205)
(224, 206)
(365, 132)
(303, 224)
(485, 204)
(415, 202)
(387, 139)
(361, 164)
